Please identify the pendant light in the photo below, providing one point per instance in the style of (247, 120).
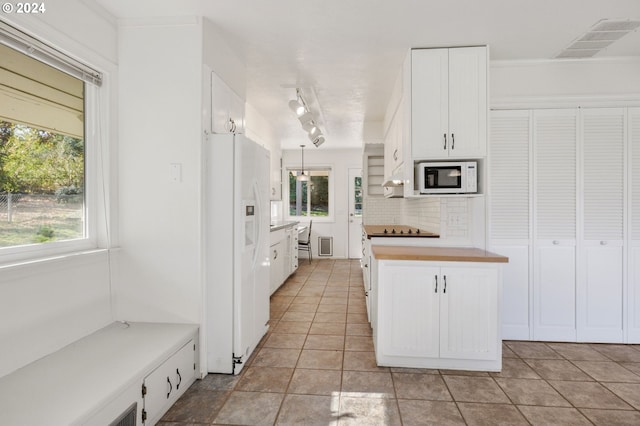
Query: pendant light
(302, 177)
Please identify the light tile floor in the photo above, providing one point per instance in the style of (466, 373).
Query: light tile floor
(316, 366)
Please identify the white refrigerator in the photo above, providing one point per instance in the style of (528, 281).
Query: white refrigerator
(236, 247)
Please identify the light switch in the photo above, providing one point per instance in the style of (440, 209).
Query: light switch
(175, 172)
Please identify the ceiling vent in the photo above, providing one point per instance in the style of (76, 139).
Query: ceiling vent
(601, 35)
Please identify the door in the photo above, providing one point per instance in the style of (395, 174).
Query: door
(555, 193)
(355, 213)
(469, 313)
(600, 283)
(510, 215)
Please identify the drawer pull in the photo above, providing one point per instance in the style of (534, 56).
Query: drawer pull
(179, 378)
(170, 387)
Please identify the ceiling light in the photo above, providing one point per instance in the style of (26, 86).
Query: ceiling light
(314, 132)
(297, 107)
(309, 126)
(318, 141)
(302, 177)
(602, 34)
(306, 118)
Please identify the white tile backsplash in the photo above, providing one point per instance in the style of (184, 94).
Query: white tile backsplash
(448, 216)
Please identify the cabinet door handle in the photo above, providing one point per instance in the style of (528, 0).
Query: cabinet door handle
(444, 290)
(603, 243)
(170, 387)
(453, 141)
(179, 378)
(556, 242)
(445, 141)
(395, 155)
(275, 254)
(436, 289)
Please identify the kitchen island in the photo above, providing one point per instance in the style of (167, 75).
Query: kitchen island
(436, 307)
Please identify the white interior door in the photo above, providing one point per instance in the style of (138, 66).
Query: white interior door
(355, 213)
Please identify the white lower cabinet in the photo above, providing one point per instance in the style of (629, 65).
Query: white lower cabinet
(283, 256)
(167, 383)
(438, 315)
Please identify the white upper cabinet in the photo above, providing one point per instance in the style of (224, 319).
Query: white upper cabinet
(227, 108)
(449, 103)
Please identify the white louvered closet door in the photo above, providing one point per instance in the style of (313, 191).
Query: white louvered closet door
(510, 145)
(555, 169)
(633, 128)
(600, 271)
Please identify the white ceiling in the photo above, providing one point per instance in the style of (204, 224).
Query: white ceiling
(349, 52)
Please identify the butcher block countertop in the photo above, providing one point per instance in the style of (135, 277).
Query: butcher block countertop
(441, 254)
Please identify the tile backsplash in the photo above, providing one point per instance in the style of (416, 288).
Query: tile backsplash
(448, 216)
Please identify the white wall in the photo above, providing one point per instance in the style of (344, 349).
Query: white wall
(159, 266)
(47, 304)
(574, 82)
(340, 160)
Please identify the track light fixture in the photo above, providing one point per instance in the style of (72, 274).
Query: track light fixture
(306, 118)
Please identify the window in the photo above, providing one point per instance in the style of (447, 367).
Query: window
(43, 151)
(310, 198)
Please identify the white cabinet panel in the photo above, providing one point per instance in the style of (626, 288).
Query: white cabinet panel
(276, 265)
(515, 292)
(168, 382)
(509, 172)
(409, 316)
(555, 136)
(600, 294)
(633, 302)
(634, 295)
(468, 102)
(469, 313)
(227, 108)
(430, 103)
(603, 173)
(554, 291)
(599, 291)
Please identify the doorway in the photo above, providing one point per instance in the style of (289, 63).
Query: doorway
(355, 213)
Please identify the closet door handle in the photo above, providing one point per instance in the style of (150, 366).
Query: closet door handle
(170, 387)
(436, 290)
(445, 141)
(445, 284)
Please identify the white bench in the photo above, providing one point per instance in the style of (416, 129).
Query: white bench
(97, 378)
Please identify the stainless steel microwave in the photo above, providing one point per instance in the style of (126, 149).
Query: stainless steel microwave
(450, 177)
